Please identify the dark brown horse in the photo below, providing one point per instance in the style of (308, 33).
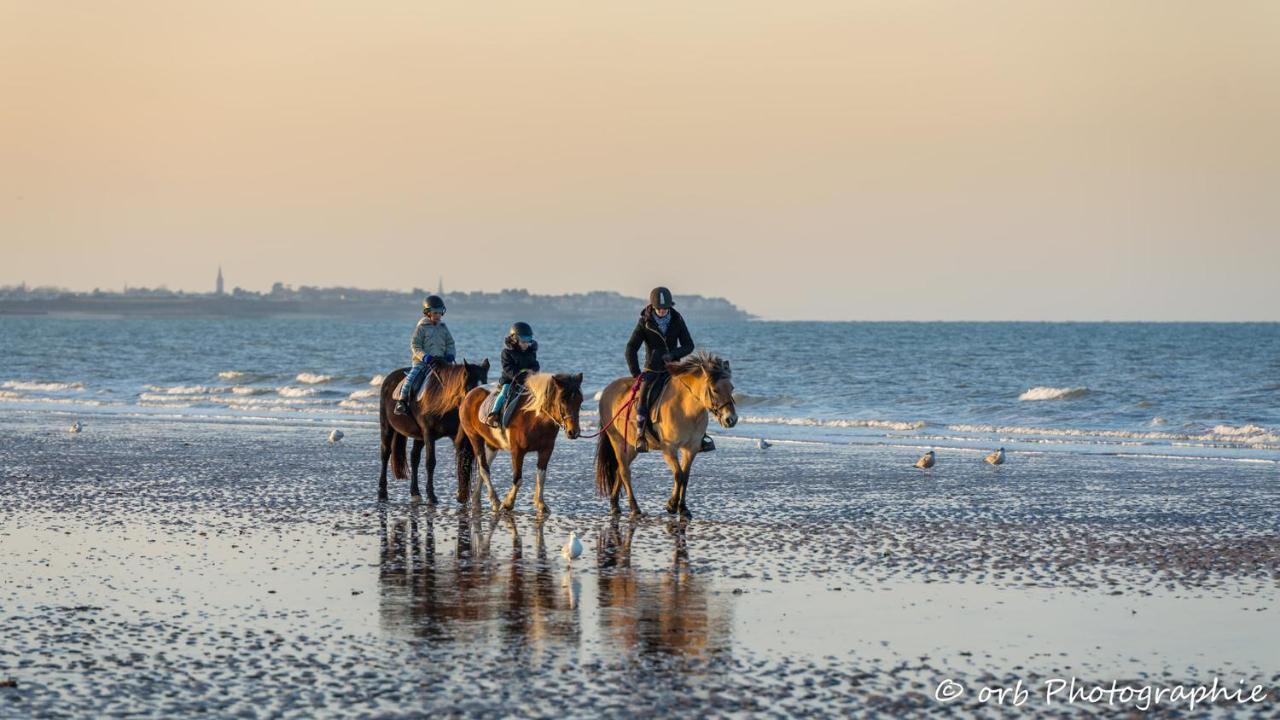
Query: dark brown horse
(551, 402)
(435, 415)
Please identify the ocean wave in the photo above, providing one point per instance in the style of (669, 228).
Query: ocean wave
(295, 392)
(1052, 393)
(357, 405)
(313, 378)
(831, 423)
(377, 379)
(41, 386)
(362, 394)
(231, 374)
(186, 389)
(249, 390)
(1247, 435)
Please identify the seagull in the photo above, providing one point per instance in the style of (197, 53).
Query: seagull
(926, 461)
(762, 443)
(335, 436)
(572, 549)
(996, 458)
(75, 427)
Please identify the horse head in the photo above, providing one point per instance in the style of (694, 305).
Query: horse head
(477, 375)
(717, 385)
(568, 403)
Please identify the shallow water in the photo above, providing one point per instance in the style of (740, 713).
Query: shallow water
(251, 572)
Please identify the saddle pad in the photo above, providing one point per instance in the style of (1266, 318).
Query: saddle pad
(514, 397)
(422, 382)
(486, 406)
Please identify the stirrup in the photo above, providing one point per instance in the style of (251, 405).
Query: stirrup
(401, 408)
(707, 444)
(642, 437)
(492, 420)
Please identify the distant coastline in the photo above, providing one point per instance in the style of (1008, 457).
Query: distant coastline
(308, 301)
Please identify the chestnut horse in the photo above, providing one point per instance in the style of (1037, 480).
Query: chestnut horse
(700, 384)
(550, 402)
(435, 415)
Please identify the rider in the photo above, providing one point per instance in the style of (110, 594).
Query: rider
(519, 357)
(432, 345)
(666, 339)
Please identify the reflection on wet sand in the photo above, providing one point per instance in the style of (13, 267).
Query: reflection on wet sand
(470, 597)
(670, 612)
(479, 593)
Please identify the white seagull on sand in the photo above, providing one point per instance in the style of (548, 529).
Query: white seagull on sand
(996, 458)
(336, 435)
(572, 550)
(926, 461)
(75, 427)
(762, 443)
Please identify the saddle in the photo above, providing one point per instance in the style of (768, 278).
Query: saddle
(508, 408)
(415, 394)
(656, 386)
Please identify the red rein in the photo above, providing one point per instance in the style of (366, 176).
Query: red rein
(626, 406)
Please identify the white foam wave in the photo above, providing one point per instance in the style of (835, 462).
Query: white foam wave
(39, 386)
(377, 379)
(362, 394)
(313, 378)
(1248, 435)
(1052, 393)
(829, 423)
(184, 389)
(249, 390)
(295, 392)
(357, 405)
(231, 374)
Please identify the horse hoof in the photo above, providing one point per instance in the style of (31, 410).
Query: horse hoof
(433, 500)
(543, 511)
(415, 498)
(671, 508)
(615, 511)
(382, 497)
(507, 506)
(684, 513)
(636, 515)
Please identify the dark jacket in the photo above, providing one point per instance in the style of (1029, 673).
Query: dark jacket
(675, 344)
(515, 361)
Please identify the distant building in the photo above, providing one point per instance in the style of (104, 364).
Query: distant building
(219, 290)
(440, 285)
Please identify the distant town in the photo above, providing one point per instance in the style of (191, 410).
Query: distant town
(306, 300)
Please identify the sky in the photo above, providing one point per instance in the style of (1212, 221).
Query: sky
(822, 159)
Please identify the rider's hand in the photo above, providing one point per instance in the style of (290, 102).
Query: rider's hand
(666, 358)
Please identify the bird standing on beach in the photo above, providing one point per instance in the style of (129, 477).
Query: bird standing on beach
(763, 444)
(996, 458)
(926, 461)
(336, 435)
(75, 427)
(572, 550)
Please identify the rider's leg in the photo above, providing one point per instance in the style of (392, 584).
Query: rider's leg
(402, 405)
(642, 413)
(496, 413)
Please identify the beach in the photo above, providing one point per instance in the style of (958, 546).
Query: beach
(159, 568)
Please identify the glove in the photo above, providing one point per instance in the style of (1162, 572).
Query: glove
(666, 358)
(448, 359)
(427, 359)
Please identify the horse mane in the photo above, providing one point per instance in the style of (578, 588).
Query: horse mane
(716, 367)
(542, 391)
(448, 393)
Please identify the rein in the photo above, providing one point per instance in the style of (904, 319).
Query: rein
(635, 387)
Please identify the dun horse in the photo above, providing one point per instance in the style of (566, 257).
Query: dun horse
(551, 402)
(700, 384)
(435, 415)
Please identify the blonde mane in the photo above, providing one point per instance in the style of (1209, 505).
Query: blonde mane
(540, 387)
(715, 366)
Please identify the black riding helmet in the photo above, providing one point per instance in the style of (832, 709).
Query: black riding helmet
(522, 331)
(433, 303)
(660, 298)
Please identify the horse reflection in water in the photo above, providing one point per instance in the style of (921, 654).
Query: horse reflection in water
(445, 598)
(480, 593)
(667, 612)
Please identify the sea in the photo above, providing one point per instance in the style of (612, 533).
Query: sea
(1181, 391)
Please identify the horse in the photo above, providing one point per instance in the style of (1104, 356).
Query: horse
(435, 415)
(551, 402)
(700, 384)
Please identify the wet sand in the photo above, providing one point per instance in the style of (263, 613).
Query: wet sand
(245, 570)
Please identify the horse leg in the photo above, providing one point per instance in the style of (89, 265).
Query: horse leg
(686, 462)
(388, 437)
(624, 474)
(517, 474)
(673, 461)
(431, 472)
(486, 456)
(415, 457)
(544, 457)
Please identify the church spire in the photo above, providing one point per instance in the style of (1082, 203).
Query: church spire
(218, 288)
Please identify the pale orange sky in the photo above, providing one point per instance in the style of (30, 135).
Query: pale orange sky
(843, 160)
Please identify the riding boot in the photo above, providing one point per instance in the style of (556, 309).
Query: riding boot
(642, 433)
(707, 444)
(401, 408)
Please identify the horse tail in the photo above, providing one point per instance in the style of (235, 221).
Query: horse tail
(606, 466)
(399, 467)
(466, 456)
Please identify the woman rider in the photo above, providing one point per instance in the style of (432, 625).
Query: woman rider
(666, 339)
(432, 343)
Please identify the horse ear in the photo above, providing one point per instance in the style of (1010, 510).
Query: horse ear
(485, 364)
(578, 378)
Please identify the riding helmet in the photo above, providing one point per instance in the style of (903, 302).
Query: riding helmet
(433, 303)
(660, 298)
(522, 331)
